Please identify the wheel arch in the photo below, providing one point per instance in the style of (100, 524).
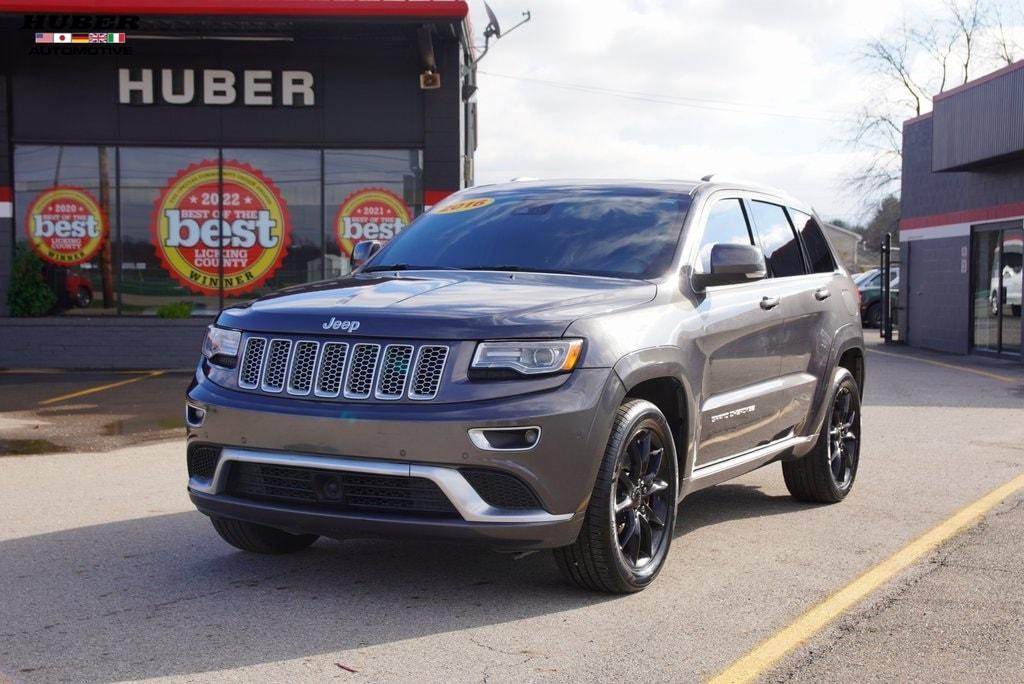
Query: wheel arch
(657, 376)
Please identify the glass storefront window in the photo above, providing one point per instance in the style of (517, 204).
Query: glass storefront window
(175, 231)
(368, 195)
(66, 214)
(996, 267)
(283, 187)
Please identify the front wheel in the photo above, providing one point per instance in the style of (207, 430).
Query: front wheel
(629, 521)
(826, 474)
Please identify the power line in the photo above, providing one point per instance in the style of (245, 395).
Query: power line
(690, 102)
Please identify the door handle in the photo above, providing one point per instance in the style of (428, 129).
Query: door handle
(822, 293)
(769, 302)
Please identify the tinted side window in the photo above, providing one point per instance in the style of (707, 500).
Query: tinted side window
(726, 223)
(781, 248)
(818, 252)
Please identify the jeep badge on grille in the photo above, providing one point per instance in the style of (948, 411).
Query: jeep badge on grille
(335, 324)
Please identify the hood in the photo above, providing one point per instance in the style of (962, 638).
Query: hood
(439, 305)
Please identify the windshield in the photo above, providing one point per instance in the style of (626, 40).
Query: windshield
(602, 231)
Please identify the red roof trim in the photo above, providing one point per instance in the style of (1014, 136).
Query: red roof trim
(432, 197)
(978, 81)
(995, 213)
(5, 193)
(457, 9)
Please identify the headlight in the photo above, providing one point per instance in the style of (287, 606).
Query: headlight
(529, 358)
(221, 346)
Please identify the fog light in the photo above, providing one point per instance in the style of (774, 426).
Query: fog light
(194, 415)
(505, 439)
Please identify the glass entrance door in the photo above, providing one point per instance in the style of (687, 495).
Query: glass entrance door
(996, 256)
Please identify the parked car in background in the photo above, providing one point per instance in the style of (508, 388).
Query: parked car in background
(1010, 294)
(79, 289)
(870, 286)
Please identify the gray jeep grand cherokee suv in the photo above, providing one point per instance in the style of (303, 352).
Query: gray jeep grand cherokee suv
(537, 365)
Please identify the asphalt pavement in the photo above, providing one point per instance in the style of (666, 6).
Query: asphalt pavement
(107, 573)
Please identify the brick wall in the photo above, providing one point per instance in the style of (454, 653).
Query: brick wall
(78, 342)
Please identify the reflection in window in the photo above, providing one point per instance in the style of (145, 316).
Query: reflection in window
(726, 224)
(66, 215)
(780, 245)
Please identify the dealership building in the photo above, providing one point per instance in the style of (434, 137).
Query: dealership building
(162, 160)
(961, 232)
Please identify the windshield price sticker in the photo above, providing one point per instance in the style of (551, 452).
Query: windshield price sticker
(465, 205)
(65, 225)
(191, 235)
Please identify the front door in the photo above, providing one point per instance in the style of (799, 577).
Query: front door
(741, 331)
(996, 253)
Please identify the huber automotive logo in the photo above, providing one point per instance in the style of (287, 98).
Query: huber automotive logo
(371, 214)
(65, 225)
(80, 34)
(244, 222)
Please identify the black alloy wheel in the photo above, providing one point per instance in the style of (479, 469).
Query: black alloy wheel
(641, 499)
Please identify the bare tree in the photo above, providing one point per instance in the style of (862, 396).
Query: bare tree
(1007, 49)
(906, 69)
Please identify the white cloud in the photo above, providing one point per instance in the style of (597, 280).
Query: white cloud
(794, 58)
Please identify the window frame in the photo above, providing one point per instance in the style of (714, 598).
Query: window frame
(796, 235)
(698, 242)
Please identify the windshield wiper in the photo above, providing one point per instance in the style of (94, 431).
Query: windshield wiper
(521, 269)
(401, 267)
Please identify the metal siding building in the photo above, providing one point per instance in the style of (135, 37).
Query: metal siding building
(962, 217)
(303, 122)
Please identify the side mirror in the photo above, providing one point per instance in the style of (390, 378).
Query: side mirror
(732, 264)
(362, 252)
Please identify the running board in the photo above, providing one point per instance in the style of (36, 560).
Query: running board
(728, 468)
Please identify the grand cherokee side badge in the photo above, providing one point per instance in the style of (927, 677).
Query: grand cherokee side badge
(346, 326)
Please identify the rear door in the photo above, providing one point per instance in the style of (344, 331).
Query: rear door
(740, 338)
(810, 286)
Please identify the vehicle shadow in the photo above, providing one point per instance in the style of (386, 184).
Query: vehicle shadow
(731, 501)
(163, 595)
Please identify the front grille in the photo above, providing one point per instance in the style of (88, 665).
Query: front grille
(339, 491)
(202, 460)
(500, 489)
(360, 370)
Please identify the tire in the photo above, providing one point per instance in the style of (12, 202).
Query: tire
(83, 298)
(993, 303)
(873, 318)
(826, 474)
(249, 536)
(597, 560)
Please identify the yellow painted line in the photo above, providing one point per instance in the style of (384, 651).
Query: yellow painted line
(954, 366)
(772, 650)
(101, 388)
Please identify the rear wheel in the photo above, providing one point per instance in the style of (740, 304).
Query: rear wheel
(249, 536)
(826, 474)
(628, 526)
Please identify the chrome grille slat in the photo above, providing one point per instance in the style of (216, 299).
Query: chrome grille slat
(394, 370)
(252, 363)
(426, 377)
(352, 370)
(275, 367)
(300, 378)
(331, 369)
(361, 370)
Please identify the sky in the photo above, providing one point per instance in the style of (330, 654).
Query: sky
(760, 91)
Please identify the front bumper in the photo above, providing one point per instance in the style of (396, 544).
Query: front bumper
(424, 441)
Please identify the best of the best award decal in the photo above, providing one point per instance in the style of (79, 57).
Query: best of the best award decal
(188, 228)
(65, 225)
(371, 214)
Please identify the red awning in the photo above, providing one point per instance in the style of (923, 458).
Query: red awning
(454, 9)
